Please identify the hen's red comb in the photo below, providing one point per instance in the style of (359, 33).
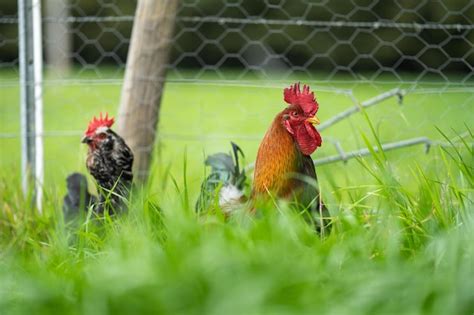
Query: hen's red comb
(100, 122)
(304, 99)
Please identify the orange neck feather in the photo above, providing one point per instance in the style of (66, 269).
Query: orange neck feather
(277, 158)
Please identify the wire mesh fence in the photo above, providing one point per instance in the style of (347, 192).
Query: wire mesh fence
(231, 59)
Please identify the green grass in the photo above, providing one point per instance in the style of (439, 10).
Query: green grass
(403, 221)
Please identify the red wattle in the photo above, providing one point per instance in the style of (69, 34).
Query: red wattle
(308, 138)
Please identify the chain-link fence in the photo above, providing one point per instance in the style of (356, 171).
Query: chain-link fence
(231, 59)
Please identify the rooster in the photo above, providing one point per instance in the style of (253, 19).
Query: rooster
(284, 167)
(226, 182)
(109, 161)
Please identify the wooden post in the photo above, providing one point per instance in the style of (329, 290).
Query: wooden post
(144, 79)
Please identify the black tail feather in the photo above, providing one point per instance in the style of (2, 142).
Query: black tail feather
(78, 199)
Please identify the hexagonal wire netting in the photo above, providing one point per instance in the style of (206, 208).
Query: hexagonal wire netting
(239, 54)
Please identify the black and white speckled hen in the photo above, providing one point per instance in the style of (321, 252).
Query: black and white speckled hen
(109, 161)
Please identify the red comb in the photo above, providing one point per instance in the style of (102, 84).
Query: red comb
(100, 122)
(305, 100)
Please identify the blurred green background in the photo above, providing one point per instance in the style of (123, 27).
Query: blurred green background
(202, 119)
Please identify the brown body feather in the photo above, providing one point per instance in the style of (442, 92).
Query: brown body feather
(277, 159)
(283, 170)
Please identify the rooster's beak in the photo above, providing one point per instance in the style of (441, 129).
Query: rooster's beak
(86, 139)
(313, 120)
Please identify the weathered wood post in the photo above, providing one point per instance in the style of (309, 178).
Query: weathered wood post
(144, 79)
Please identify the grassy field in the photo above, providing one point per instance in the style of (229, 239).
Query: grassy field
(403, 221)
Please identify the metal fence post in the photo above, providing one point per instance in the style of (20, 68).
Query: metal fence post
(31, 97)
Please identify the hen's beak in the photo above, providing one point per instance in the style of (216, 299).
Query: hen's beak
(86, 139)
(313, 120)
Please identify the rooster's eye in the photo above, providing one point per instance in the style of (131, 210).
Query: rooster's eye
(102, 136)
(295, 114)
